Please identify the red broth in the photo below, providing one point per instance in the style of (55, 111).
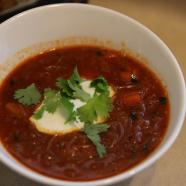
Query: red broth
(138, 121)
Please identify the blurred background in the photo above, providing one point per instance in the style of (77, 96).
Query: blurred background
(166, 18)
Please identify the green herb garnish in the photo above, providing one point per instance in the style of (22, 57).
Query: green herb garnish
(28, 96)
(87, 112)
(72, 87)
(39, 113)
(75, 77)
(92, 131)
(68, 109)
(78, 92)
(99, 105)
(52, 101)
(103, 105)
(64, 87)
(95, 107)
(100, 84)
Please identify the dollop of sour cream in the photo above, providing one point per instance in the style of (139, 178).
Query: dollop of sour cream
(54, 123)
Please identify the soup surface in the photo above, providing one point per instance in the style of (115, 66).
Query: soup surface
(138, 120)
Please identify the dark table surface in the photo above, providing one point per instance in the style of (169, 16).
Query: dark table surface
(15, 10)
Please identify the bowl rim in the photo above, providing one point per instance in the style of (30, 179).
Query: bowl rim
(33, 175)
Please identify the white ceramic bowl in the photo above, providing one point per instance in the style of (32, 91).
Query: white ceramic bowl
(61, 21)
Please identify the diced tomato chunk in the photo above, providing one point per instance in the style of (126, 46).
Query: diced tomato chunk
(125, 76)
(16, 109)
(132, 99)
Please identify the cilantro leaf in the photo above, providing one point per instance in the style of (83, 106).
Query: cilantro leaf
(72, 88)
(87, 112)
(52, 100)
(92, 131)
(39, 113)
(99, 105)
(78, 92)
(28, 96)
(100, 84)
(103, 105)
(68, 109)
(74, 81)
(75, 77)
(74, 84)
(64, 87)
